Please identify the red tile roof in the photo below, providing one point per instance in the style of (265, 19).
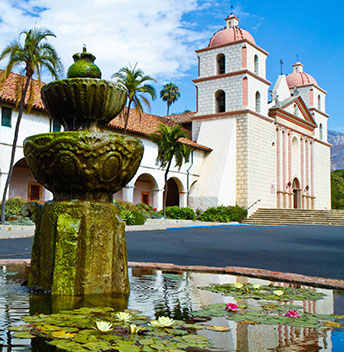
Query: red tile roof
(143, 126)
(181, 118)
(147, 124)
(8, 88)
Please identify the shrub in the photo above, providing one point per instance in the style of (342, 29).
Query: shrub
(139, 219)
(218, 214)
(222, 214)
(127, 217)
(144, 209)
(237, 213)
(13, 206)
(125, 205)
(175, 212)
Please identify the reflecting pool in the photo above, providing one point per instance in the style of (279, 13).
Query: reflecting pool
(177, 295)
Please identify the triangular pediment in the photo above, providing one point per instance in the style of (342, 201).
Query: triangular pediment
(294, 109)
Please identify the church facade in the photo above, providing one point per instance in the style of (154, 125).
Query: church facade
(245, 149)
(270, 154)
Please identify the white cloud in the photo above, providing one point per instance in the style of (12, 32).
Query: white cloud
(150, 32)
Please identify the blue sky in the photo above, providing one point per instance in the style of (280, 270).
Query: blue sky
(162, 35)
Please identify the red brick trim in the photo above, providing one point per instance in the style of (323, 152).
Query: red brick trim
(232, 270)
(320, 112)
(233, 43)
(225, 114)
(310, 85)
(245, 92)
(229, 74)
(292, 118)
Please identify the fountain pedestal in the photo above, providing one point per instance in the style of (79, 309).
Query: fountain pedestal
(79, 248)
(79, 245)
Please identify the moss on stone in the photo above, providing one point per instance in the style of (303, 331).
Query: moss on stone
(80, 249)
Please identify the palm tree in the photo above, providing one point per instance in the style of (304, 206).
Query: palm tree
(134, 81)
(170, 93)
(34, 54)
(170, 146)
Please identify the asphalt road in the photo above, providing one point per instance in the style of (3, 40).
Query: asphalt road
(309, 250)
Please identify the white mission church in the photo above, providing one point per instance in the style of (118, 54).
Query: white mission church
(245, 149)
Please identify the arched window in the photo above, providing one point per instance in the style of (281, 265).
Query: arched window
(319, 102)
(256, 64)
(221, 64)
(220, 97)
(257, 101)
(321, 132)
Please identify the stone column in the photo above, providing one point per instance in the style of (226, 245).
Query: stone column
(278, 160)
(312, 173)
(3, 177)
(183, 200)
(284, 167)
(128, 193)
(158, 198)
(302, 173)
(290, 175)
(307, 173)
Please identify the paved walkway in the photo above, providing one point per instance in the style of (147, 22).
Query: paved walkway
(314, 251)
(21, 231)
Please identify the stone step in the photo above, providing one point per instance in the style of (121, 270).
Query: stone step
(268, 216)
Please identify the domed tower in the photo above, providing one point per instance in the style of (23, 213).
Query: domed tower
(232, 119)
(231, 75)
(304, 84)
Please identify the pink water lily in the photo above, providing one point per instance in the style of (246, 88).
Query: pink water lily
(231, 307)
(292, 314)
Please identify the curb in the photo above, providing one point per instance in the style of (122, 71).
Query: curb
(250, 272)
(232, 270)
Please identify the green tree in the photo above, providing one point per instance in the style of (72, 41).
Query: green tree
(34, 54)
(337, 189)
(134, 81)
(169, 93)
(170, 146)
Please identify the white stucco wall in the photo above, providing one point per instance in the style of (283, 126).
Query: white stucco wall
(255, 85)
(251, 52)
(32, 123)
(322, 176)
(217, 182)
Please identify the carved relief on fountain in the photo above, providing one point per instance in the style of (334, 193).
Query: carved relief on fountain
(79, 245)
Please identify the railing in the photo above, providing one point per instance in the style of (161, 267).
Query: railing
(257, 201)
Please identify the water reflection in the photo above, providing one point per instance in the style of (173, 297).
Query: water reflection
(177, 294)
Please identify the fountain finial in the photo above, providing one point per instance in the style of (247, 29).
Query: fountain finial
(84, 66)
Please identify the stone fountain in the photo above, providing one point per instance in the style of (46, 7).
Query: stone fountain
(79, 245)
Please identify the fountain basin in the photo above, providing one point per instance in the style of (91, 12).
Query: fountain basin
(83, 165)
(83, 103)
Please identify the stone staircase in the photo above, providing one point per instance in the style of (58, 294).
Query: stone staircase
(266, 216)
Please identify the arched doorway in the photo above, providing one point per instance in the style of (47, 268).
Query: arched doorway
(172, 193)
(143, 191)
(296, 194)
(23, 183)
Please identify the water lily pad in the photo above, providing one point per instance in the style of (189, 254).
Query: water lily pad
(20, 328)
(333, 324)
(265, 292)
(217, 328)
(195, 340)
(23, 335)
(62, 335)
